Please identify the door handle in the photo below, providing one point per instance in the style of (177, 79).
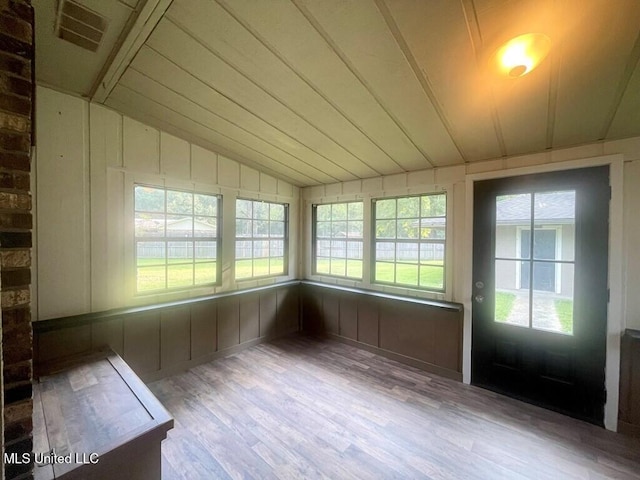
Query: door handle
(479, 298)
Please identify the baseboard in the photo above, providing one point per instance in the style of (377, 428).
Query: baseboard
(413, 362)
(629, 429)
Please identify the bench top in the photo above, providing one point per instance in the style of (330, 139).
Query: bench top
(93, 405)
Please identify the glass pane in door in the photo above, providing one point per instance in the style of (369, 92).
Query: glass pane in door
(553, 311)
(511, 302)
(513, 213)
(513, 216)
(554, 212)
(553, 261)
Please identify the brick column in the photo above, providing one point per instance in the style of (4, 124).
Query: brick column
(16, 97)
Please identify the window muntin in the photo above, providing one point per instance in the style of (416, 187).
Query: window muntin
(177, 239)
(409, 241)
(261, 239)
(534, 280)
(338, 239)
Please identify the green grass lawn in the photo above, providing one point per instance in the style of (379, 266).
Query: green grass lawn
(259, 267)
(342, 268)
(153, 275)
(564, 309)
(504, 305)
(431, 276)
(412, 275)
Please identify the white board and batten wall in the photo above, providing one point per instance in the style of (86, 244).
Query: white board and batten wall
(449, 180)
(454, 181)
(87, 155)
(624, 264)
(88, 159)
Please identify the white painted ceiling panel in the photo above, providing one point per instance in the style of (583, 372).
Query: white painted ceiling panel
(312, 59)
(154, 66)
(319, 91)
(67, 66)
(145, 110)
(452, 73)
(521, 104)
(154, 91)
(354, 28)
(169, 40)
(524, 123)
(627, 118)
(300, 106)
(484, 5)
(594, 59)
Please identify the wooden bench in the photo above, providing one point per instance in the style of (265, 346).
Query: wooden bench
(94, 418)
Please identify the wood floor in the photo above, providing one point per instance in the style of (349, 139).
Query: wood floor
(304, 408)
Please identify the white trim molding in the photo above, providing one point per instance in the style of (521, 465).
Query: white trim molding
(615, 322)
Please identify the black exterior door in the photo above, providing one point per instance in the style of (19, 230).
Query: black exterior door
(540, 301)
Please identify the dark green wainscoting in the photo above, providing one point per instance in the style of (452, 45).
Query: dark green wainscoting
(629, 405)
(424, 333)
(160, 340)
(163, 339)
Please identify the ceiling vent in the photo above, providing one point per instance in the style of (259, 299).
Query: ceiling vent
(79, 25)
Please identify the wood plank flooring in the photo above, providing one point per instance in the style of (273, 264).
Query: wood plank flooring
(304, 408)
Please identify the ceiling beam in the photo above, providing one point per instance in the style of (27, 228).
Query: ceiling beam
(148, 17)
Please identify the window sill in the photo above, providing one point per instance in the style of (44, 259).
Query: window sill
(450, 306)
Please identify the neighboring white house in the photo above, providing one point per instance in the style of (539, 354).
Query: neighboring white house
(182, 228)
(186, 227)
(554, 234)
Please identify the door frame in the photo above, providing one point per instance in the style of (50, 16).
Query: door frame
(615, 312)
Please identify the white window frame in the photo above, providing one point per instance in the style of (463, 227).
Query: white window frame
(314, 241)
(419, 241)
(312, 199)
(285, 240)
(167, 239)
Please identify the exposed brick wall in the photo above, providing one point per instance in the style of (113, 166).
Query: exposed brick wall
(16, 90)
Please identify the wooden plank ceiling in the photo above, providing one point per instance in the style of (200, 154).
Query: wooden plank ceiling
(319, 91)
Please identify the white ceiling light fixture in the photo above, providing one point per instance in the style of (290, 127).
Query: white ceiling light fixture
(520, 55)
